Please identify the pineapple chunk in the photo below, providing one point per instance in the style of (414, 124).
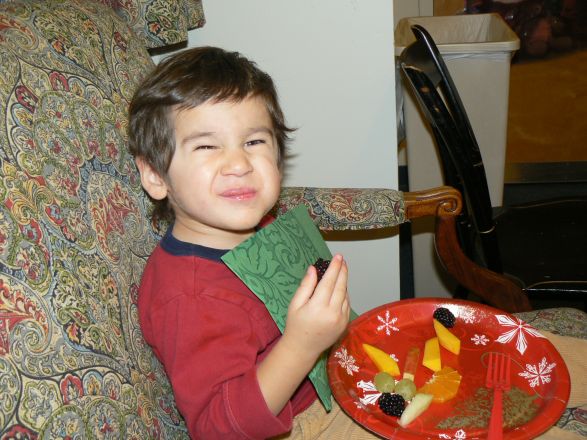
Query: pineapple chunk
(446, 338)
(382, 360)
(419, 403)
(432, 355)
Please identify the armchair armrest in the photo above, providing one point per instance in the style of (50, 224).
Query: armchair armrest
(343, 209)
(346, 209)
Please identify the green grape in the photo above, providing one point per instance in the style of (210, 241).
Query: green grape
(384, 382)
(406, 388)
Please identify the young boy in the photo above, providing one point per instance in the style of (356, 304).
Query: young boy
(209, 140)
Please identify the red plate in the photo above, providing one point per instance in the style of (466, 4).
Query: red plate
(539, 377)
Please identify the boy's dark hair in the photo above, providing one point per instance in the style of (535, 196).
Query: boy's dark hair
(184, 81)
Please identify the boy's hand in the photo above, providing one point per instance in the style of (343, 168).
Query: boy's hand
(316, 317)
(319, 311)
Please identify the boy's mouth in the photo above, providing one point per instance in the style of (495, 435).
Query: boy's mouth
(239, 193)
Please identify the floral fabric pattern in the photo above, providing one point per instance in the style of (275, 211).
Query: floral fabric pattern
(565, 322)
(340, 209)
(158, 22)
(74, 230)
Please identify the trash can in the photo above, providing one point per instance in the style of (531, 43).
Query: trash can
(477, 50)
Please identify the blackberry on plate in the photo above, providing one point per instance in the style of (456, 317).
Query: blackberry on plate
(445, 317)
(392, 404)
(321, 265)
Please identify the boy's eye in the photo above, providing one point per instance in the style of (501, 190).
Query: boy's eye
(255, 142)
(204, 147)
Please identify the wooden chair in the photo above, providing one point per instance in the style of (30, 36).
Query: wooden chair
(540, 245)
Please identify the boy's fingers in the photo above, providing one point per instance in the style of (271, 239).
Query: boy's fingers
(327, 284)
(340, 293)
(346, 305)
(346, 308)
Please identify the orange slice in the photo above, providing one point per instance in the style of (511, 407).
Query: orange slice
(444, 385)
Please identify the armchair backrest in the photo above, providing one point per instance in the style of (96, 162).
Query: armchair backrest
(462, 165)
(74, 230)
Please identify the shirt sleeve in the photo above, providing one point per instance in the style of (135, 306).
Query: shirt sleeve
(209, 349)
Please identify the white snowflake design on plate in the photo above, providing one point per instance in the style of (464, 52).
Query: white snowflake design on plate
(346, 361)
(387, 323)
(519, 331)
(480, 339)
(467, 315)
(459, 435)
(538, 374)
(370, 393)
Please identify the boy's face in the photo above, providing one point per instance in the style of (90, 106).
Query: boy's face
(223, 176)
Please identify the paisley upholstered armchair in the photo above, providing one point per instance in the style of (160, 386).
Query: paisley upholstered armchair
(75, 232)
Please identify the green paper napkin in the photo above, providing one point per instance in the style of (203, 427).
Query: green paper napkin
(272, 264)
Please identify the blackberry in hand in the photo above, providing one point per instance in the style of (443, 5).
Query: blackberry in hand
(445, 317)
(321, 265)
(392, 404)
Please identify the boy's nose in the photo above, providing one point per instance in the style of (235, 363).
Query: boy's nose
(236, 162)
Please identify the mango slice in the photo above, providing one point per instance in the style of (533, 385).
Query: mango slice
(432, 355)
(446, 338)
(382, 360)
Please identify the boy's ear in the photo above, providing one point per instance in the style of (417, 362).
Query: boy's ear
(152, 182)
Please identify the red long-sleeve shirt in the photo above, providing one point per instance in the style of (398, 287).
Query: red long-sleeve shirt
(210, 332)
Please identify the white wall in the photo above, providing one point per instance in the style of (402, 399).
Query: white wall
(333, 64)
(412, 8)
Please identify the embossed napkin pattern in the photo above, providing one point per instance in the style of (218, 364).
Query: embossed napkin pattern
(273, 262)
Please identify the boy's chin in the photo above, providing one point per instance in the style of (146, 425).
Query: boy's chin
(247, 227)
(241, 223)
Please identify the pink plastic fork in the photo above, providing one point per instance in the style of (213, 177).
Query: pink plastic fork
(498, 378)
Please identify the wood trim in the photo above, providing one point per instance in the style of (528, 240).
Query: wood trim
(441, 201)
(446, 203)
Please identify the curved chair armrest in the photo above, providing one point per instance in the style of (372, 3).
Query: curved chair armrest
(343, 209)
(492, 287)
